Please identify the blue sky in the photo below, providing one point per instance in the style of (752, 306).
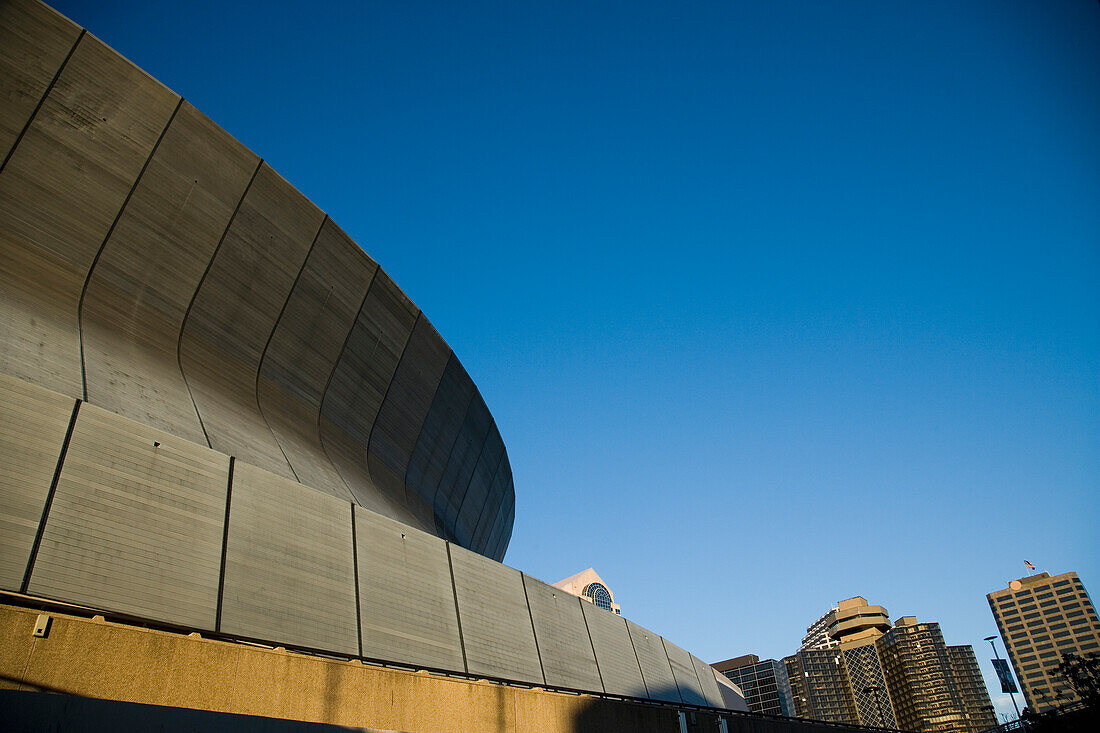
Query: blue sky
(774, 303)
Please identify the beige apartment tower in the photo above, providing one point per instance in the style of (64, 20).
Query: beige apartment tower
(836, 675)
(933, 688)
(976, 704)
(856, 668)
(1041, 618)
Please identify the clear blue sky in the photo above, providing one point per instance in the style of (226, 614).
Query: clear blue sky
(774, 303)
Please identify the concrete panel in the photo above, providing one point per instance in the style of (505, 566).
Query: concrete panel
(358, 386)
(477, 492)
(496, 623)
(135, 527)
(146, 276)
(687, 680)
(499, 547)
(403, 411)
(235, 311)
(492, 548)
(34, 42)
(614, 653)
(304, 348)
(706, 678)
(406, 598)
(33, 423)
(562, 637)
(491, 506)
(460, 465)
(59, 194)
(656, 669)
(437, 437)
(289, 573)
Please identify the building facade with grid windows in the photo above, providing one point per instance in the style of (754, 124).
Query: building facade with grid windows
(764, 682)
(972, 690)
(863, 671)
(1041, 618)
(921, 680)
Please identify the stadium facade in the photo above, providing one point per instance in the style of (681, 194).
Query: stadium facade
(221, 417)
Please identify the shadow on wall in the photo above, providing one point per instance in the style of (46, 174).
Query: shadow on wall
(599, 716)
(35, 711)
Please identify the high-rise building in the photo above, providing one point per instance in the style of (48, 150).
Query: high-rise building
(589, 586)
(817, 633)
(820, 686)
(972, 690)
(839, 675)
(764, 682)
(1041, 618)
(855, 668)
(920, 678)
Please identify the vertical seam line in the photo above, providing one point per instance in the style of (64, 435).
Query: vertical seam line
(488, 489)
(458, 512)
(49, 499)
(670, 669)
(42, 100)
(592, 644)
(439, 524)
(355, 569)
(482, 515)
(458, 614)
(531, 615)
(420, 432)
(271, 336)
(225, 545)
(103, 245)
(637, 659)
(328, 383)
(195, 295)
(386, 396)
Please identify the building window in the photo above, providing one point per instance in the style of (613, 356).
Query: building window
(599, 595)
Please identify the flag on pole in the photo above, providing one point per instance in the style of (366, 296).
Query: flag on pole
(1028, 565)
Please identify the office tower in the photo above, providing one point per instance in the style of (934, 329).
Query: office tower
(821, 687)
(972, 690)
(860, 670)
(764, 682)
(589, 586)
(817, 633)
(1041, 618)
(921, 679)
(838, 673)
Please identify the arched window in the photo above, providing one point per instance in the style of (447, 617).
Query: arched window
(599, 594)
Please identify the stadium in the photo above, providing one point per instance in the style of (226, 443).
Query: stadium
(227, 431)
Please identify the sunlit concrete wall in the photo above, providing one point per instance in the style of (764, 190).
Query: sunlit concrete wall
(186, 673)
(218, 414)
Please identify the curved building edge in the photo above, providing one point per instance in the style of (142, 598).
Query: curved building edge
(219, 414)
(154, 266)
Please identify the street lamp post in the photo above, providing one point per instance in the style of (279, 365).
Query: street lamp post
(992, 640)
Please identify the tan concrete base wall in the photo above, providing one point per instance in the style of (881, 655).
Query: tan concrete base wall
(95, 658)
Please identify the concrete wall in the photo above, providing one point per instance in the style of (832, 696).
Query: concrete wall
(192, 683)
(153, 266)
(139, 665)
